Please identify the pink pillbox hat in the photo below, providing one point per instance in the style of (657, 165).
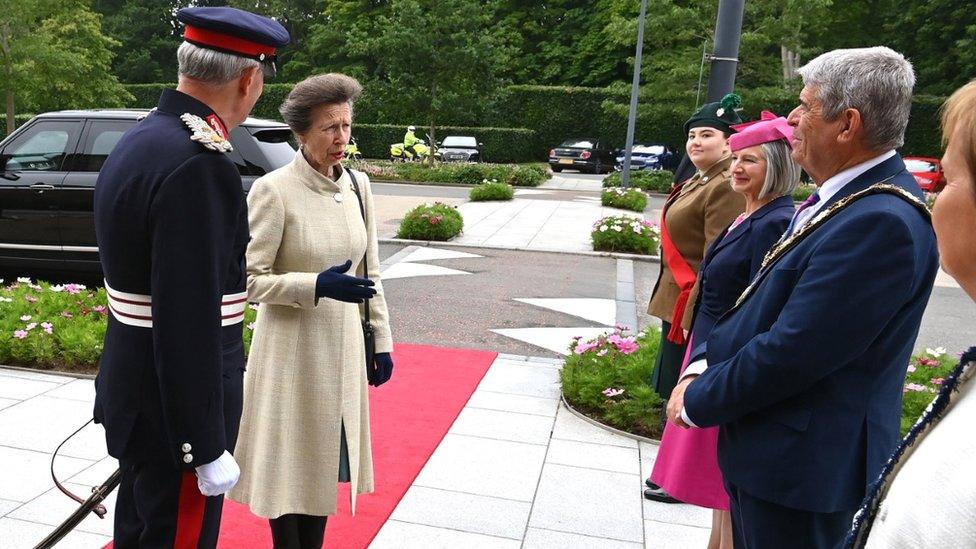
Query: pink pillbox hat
(768, 128)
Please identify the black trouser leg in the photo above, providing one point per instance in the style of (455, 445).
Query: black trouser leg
(295, 531)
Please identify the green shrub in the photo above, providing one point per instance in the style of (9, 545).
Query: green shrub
(925, 374)
(491, 190)
(435, 221)
(648, 180)
(606, 379)
(803, 191)
(467, 174)
(622, 233)
(625, 199)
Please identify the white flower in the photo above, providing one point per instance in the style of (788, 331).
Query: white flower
(31, 326)
(637, 229)
(57, 288)
(935, 353)
(603, 228)
(618, 228)
(23, 279)
(5, 300)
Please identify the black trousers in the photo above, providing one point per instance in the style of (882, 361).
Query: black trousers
(760, 524)
(161, 506)
(295, 531)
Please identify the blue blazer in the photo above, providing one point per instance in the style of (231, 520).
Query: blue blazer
(733, 259)
(806, 375)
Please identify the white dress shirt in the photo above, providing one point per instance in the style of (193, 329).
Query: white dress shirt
(827, 190)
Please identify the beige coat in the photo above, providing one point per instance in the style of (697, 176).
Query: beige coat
(704, 207)
(306, 371)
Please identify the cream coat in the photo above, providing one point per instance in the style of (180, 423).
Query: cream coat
(306, 373)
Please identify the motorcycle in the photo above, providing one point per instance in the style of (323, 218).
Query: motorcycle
(399, 153)
(352, 150)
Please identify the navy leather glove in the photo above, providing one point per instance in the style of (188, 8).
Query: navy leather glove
(381, 370)
(332, 283)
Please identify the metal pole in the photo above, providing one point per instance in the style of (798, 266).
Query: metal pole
(725, 59)
(635, 86)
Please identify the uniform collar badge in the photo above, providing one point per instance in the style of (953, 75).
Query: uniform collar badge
(212, 135)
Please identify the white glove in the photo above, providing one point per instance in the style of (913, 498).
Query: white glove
(218, 476)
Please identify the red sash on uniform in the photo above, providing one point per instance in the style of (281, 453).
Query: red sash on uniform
(683, 274)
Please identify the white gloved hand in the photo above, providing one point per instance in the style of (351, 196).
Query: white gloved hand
(218, 476)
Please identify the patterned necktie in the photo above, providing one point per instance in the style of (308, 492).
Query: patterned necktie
(810, 201)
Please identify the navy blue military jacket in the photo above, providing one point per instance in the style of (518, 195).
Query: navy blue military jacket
(805, 375)
(171, 223)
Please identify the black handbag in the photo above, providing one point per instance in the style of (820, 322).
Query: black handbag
(369, 335)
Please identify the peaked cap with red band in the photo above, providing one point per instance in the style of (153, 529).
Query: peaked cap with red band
(233, 31)
(768, 128)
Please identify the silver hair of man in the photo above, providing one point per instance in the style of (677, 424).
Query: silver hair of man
(323, 89)
(876, 81)
(211, 66)
(782, 172)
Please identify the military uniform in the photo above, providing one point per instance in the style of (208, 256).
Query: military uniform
(171, 222)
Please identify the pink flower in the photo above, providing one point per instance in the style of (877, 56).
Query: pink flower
(100, 309)
(74, 288)
(627, 347)
(30, 299)
(586, 346)
(930, 362)
(253, 306)
(20, 334)
(32, 325)
(610, 392)
(911, 368)
(250, 326)
(914, 387)
(25, 318)
(66, 314)
(602, 352)
(937, 381)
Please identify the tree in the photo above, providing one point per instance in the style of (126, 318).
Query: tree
(53, 55)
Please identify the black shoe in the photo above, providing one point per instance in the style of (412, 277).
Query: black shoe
(651, 485)
(659, 495)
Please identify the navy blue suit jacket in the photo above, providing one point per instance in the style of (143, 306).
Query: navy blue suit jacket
(733, 259)
(805, 376)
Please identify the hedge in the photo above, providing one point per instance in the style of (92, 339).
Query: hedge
(554, 113)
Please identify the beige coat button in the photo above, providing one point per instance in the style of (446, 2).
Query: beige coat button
(186, 447)
(337, 197)
(188, 458)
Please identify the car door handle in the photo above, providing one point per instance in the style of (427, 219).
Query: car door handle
(42, 187)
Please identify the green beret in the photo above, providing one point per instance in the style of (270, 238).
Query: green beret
(719, 115)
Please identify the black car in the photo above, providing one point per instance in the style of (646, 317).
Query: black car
(48, 169)
(583, 154)
(460, 148)
(652, 155)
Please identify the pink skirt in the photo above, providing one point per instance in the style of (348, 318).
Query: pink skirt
(687, 464)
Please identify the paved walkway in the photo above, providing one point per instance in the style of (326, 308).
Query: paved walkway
(517, 469)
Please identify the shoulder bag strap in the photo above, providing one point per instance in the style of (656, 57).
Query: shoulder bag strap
(362, 210)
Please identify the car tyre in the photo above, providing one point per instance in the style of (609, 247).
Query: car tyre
(557, 169)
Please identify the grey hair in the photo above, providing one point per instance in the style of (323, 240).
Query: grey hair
(782, 172)
(323, 89)
(211, 66)
(876, 81)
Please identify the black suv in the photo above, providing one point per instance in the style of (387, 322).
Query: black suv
(48, 169)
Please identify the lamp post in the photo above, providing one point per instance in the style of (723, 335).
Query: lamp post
(635, 86)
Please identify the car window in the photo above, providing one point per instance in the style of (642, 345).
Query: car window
(919, 166)
(42, 147)
(103, 136)
(459, 141)
(278, 146)
(579, 143)
(649, 149)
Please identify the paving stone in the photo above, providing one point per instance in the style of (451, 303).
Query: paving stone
(485, 467)
(523, 404)
(20, 534)
(537, 538)
(79, 389)
(467, 512)
(677, 513)
(648, 453)
(659, 535)
(493, 424)
(25, 474)
(42, 423)
(7, 506)
(53, 507)
(403, 535)
(521, 380)
(589, 502)
(36, 375)
(594, 456)
(570, 427)
(22, 388)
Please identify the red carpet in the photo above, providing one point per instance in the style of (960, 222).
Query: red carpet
(409, 416)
